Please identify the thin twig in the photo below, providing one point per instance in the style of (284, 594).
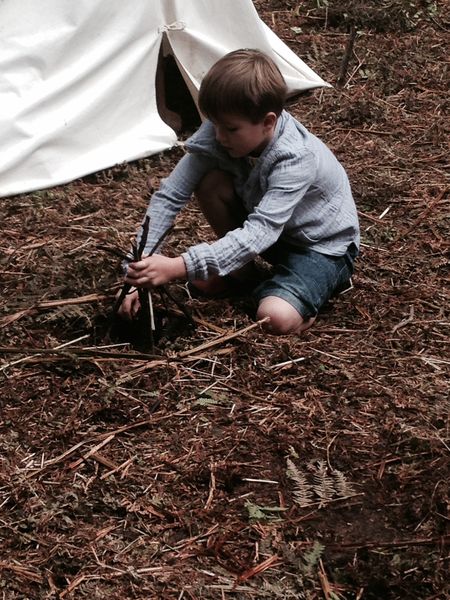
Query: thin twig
(46, 304)
(222, 339)
(73, 353)
(409, 319)
(346, 59)
(93, 450)
(25, 358)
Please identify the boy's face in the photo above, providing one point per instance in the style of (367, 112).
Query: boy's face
(240, 137)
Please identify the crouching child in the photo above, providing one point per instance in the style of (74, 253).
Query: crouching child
(268, 187)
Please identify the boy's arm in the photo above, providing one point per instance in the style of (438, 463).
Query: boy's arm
(173, 194)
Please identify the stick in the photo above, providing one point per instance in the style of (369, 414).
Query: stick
(409, 319)
(4, 321)
(121, 466)
(163, 290)
(145, 299)
(74, 353)
(114, 251)
(146, 303)
(167, 362)
(266, 564)
(145, 317)
(137, 255)
(144, 237)
(25, 358)
(108, 436)
(212, 486)
(222, 339)
(145, 296)
(346, 58)
(92, 451)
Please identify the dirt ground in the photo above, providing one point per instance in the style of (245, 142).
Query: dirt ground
(232, 464)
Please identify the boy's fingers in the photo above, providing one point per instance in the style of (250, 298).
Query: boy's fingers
(139, 265)
(132, 271)
(137, 280)
(130, 306)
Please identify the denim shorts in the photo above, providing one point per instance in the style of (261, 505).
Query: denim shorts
(305, 278)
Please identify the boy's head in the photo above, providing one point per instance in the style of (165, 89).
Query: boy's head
(245, 83)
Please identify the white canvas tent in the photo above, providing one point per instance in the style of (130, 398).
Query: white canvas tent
(77, 79)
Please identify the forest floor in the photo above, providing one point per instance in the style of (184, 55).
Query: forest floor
(234, 464)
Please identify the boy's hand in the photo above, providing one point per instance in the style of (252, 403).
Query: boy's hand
(130, 305)
(155, 270)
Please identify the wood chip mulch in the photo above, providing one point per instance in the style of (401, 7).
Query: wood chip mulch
(228, 463)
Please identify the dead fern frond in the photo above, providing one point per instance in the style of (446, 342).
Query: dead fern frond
(302, 493)
(323, 484)
(344, 489)
(293, 452)
(206, 401)
(311, 465)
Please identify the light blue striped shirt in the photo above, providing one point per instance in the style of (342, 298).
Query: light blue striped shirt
(296, 191)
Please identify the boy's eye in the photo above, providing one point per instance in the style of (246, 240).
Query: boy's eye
(232, 129)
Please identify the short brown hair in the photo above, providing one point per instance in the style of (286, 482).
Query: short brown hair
(245, 83)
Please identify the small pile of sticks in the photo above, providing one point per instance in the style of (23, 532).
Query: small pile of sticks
(146, 313)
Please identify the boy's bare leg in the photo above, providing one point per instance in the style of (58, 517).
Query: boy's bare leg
(223, 210)
(284, 319)
(219, 203)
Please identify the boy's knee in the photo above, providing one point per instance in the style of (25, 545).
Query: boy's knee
(284, 319)
(214, 182)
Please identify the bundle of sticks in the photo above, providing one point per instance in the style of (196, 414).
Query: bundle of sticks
(146, 313)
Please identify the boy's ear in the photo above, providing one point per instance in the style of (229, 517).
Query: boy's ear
(269, 120)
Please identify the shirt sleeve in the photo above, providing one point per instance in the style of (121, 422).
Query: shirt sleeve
(174, 192)
(287, 182)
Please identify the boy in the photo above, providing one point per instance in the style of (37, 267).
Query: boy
(267, 187)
